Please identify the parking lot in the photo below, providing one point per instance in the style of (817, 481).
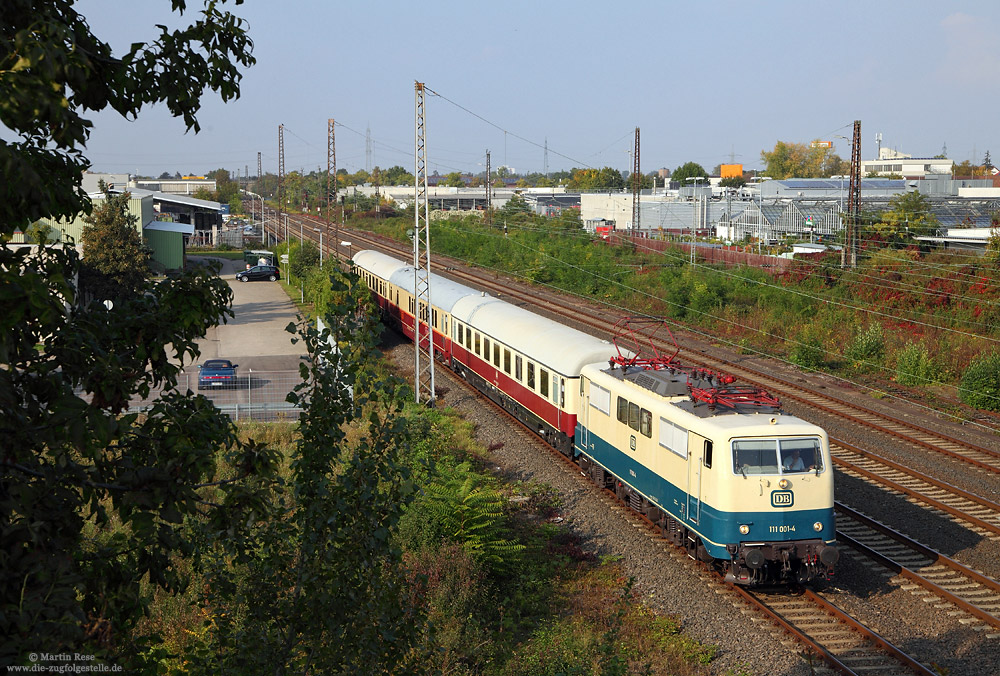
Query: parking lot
(256, 340)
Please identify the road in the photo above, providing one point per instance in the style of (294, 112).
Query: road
(255, 337)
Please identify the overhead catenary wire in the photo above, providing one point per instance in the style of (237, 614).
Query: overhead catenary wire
(710, 315)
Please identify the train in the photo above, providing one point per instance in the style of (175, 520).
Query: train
(717, 467)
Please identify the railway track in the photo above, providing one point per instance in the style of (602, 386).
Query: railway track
(598, 321)
(964, 594)
(829, 635)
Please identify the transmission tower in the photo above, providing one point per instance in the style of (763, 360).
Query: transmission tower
(331, 175)
(422, 336)
(281, 173)
(489, 193)
(849, 254)
(636, 184)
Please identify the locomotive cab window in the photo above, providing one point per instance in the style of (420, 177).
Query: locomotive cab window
(645, 423)
(755, 456)
(623, 410)
(633, 416)
(800, 455)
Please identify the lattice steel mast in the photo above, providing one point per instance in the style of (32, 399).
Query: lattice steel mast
(423, 338)
(331, 175)
(849, 254)
(281, 172)
(636, 184)
(489, 193)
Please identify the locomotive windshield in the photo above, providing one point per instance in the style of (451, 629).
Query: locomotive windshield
(761, 456)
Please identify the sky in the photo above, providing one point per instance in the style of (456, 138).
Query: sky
(708, 82)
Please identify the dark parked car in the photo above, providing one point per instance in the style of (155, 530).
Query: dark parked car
(268, 272)
(217, 373)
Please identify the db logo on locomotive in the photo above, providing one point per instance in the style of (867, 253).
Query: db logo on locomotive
(782, 499)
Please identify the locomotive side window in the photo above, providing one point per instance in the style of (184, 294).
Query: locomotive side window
(531, 375)
(673, 437)
(600, 398)
(707, 457)
(755, 456)
(645, 423)
(623, 410)
(506, 361)
(633, 416)
(800, 455)
(517, 366)
(543, 382)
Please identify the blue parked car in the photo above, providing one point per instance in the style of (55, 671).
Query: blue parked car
(217, 373)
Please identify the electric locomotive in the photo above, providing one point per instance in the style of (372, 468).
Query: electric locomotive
(731, 479)
(717, 467)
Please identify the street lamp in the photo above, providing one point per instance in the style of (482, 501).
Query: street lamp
(320, 245)
(350, 250)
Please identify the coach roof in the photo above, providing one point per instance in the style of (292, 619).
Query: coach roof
(552, 345)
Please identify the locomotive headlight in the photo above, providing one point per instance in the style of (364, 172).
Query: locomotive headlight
(744, 529)
(784, 483)
(817, 526)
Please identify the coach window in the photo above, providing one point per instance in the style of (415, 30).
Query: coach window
(517, 366)
(486, 348)
(460, 333)
(623, 410)
(506, 361)
(477, 343)
(645, 423)
(468, 338)
(444, 325)
(496, 355)
(531, 375)
(543, 382)
(434, 317)
(633, 416)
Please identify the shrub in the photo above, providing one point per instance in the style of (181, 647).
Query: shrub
(808, 352)
(914, 365)
(981, 383)
(868, 347)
